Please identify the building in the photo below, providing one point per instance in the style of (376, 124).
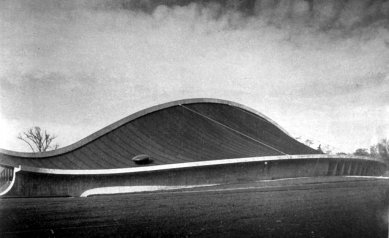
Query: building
(181, 144)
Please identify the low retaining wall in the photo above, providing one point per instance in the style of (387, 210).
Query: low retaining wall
(32, 182)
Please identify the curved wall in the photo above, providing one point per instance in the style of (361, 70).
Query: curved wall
(37, 183)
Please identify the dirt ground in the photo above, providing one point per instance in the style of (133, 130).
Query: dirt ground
(305, 207)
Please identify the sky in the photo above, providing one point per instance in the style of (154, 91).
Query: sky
(318, 68)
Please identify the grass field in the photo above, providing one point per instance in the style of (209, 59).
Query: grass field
(305, 207)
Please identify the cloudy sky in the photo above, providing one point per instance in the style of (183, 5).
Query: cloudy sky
(319, 68)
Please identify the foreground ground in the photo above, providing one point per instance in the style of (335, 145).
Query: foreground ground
(305, 207)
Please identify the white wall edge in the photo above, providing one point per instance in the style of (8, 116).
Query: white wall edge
(138, 189)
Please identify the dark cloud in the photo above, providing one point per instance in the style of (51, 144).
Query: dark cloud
(94, 61)
(321, 14)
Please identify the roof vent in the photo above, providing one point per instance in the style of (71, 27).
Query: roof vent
(142, 159)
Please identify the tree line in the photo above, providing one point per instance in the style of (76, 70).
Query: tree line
(379, 150)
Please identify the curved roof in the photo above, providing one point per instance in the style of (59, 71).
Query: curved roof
(180, 131)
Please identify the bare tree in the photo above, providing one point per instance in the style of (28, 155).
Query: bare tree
(308, 142)
(361, 152)
(38, 140)
(381, 150)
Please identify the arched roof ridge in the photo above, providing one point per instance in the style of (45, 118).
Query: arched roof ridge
(132, 117)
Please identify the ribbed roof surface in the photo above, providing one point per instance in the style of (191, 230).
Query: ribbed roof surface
(182, 131)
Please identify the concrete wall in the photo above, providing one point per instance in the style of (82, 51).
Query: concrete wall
(30, 184)
(7, 174)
